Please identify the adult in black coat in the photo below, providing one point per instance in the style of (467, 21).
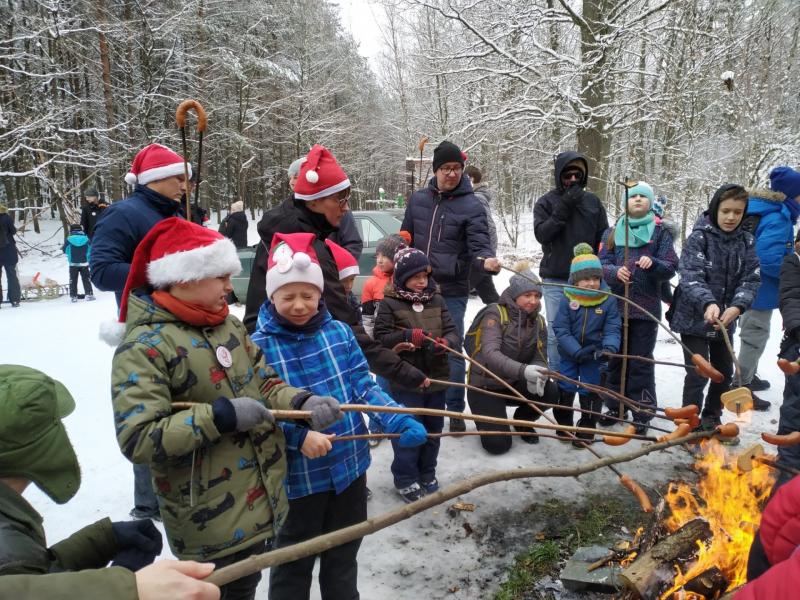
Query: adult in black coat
(234, 226)
(91, 211)
(9, 256)
(564, 217)
(789, 305)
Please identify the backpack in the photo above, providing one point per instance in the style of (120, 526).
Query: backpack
(472, 339)
(223, 227)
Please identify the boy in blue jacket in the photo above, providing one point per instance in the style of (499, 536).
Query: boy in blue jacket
(586, 325)
(78, 250)
(326, 482)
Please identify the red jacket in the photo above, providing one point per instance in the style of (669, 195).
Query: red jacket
(780, 523)
(781, 582)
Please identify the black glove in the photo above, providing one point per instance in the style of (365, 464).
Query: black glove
(602, 356)
(138, 544)
(572, 195)
(585, 354)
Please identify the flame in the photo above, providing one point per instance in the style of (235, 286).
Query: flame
(731, 501)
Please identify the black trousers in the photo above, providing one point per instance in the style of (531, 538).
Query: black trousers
(309, 517)
(483, 283)
(693, 384)
(244, 588)
(640, 379)
(73, 281)
(492, 406)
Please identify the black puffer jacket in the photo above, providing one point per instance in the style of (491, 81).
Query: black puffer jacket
(236, 228)
(451, 229)
(559, 228)
(789, 298)
(293, 217)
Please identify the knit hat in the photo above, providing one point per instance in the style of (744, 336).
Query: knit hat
(660, 205)
(174, 251)
(447, 152)
(90, 192)
(33, 441)
(237, 206)
(292, 259)
(294, 168)
(786, 180)
(525, 282)
(389, 245)
(585, 264)
(407, 263)
(345, 262)
(320, 175)
(641, 189)
(153, 163)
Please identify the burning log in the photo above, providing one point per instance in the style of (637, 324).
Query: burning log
(653, 571)
(708, 584)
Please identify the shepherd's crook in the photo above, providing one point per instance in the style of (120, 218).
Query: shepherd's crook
(627, 184)
(202, 123)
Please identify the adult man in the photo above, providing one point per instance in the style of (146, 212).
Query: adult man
(91, 211)
(562, 218)
(158, 175)
(479, 280)
(9, 257)
(771, 216)
(448, 223)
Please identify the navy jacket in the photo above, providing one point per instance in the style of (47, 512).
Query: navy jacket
(451, 229)
(599, 326)
(790, 295)
(119, 230)
(77, 249)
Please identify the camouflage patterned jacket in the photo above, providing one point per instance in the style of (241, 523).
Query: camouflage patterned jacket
(218, 493)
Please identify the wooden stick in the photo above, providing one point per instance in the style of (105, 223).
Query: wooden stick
(391, 436)
(626, 308)
(650, 360)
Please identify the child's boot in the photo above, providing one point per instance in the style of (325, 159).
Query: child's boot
(564, 415)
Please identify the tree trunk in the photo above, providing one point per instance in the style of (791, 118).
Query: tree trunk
(108, 95)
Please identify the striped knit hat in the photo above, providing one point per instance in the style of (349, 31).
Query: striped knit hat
(585, 264)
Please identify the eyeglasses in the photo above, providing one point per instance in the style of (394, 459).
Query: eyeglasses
(572, 175)
(451, 170)
(342, 201)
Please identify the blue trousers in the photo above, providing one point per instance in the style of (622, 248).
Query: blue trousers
(454, 398)
(552, 298)
(144, 498)
(586, 372)
(418, 463)
(640, 380)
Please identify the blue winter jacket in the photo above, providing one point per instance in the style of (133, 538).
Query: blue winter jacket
(326, 362)
(119, 230)
(78, 249)
(774, 240)
(578, 326)
(451, 229)
(715, 268)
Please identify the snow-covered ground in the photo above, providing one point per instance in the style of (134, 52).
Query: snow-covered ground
(428, 556)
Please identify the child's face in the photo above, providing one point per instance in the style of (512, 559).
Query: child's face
(347, 283)
(209, 293)
(529, 301)
(418, 282)
(384, 263)
(730, 213)
(297, 302)
(638, 206)
(590, 283)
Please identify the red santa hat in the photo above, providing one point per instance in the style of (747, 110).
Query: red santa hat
(292, 259)
(320, 175)
(155, 162)
(174, 251)
(345, 262)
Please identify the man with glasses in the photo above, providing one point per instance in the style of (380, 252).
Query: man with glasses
(564, 217)
(448, 223)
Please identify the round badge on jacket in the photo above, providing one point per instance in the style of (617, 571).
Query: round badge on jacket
(224, 356)
(574, 305)
(417, 307)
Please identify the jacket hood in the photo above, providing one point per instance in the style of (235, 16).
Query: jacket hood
(463, 188)
(484, 190)
(765, 194)
(562, 160)
(716, 199)
(705, 225)
(78, 239)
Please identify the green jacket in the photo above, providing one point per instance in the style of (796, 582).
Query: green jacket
(24, 551)
(218, 493)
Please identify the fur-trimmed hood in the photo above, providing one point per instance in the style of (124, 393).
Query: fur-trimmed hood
(766, 194)
(3, 209)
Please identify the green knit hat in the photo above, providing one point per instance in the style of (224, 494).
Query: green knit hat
(33, 441)
(585, 264)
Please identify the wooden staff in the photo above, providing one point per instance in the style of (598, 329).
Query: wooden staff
(627, 184)
(202, 123)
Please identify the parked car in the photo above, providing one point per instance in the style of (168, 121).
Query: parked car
(372, 225)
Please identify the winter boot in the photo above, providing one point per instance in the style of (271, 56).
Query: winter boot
(564, 415)
(90, 297)
(588, 402)
(528, 439)
(411, 493)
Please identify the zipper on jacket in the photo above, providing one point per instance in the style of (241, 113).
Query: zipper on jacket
(441, 226)
(433, 220)
(585, 318)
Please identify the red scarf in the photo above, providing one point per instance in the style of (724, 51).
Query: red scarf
(189, 313)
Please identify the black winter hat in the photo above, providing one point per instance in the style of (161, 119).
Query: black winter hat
(75, 227)
(90, 192)
(389, 246)
(447, 152)
(407, 263)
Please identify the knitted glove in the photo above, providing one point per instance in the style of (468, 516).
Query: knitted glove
(415, 336)
(536, 379)
(411, 431)
(585, 354)
(325, 411)
(138, 543)
(239, 414)
(440, 346)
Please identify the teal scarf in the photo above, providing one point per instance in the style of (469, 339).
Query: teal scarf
(641, 230)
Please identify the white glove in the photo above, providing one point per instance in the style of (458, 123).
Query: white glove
(537, 378)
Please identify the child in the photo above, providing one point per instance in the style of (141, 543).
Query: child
(789, 305)
(412, 308)
(347, 265)
(372, 293)
(326, 483)
(719, 276)
(659, 208)
(78, 249)
(218, 464)
(651, 262)
(586, 325)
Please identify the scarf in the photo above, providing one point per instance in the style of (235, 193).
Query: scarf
(424, 296)
(585, 297)
(641, 230)
(189, 313)
(313, 324)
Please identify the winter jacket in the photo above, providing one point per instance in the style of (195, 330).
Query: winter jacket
(292, 217)
(89, 584)
(327, 362)
(451, 229)
(8, 248)
(484, 194)
(715, 268)
(789, 301)
(235, 228)
(396, 314)
(577, 326)
(374, 286)
(774, 240)
(780, 522)
(507, 349)
(119, 230)
(347, 235)
(560, 228)
(645, 283)
(78, 249)
(218, 493)
(781, 582)
(90, 213)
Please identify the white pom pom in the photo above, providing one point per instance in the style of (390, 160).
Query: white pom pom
(130, 179)
(301, 260)
(312, 176)
(112, 332)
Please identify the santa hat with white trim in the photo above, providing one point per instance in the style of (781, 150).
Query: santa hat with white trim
(155, 162)
(292, 259)
(345, 262)
(320, 175)
(174, 251)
